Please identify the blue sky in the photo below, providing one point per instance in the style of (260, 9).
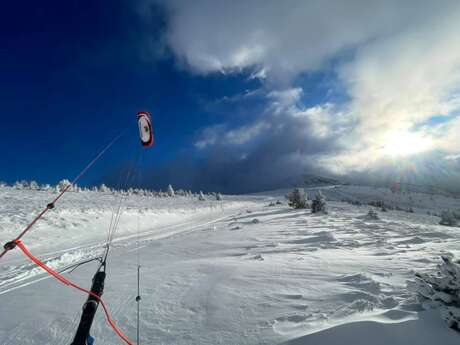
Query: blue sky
(73, 76)
(244, 95)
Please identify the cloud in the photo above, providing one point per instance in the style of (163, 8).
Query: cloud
(398, 63)
(446, 136)
(209, 136)
(212, 135)
(274, 150)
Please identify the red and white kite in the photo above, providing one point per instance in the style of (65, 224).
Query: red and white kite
(145, 128)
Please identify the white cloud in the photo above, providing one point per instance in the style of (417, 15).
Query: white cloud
(407, 78)
(209, 136)
(282, 100)
(245, 134)
(446, 136)
(221, 135)
(402, 66)
(284, 37)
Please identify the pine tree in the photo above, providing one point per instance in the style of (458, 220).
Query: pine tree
(297, 198)
(63, 184)
(33, 185)
(372, 215)
(170, 190)
(18, 185)
(319, 203)
(448, 218)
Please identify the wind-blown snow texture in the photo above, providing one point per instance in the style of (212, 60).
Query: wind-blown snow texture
(235, 271)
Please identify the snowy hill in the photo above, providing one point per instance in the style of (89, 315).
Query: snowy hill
(236, 271)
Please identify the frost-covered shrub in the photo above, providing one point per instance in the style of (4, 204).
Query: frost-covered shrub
(372, 215)
(103, 188)
(441, 290)
(33, 185)
(448, 218)
(319, 203)
(20, 185)
(170, 190)
(46, 187)
(218, 197)
(297, 198)
(201, 196)
(63, 184)
(2, 184)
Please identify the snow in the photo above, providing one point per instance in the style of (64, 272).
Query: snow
(236, 271)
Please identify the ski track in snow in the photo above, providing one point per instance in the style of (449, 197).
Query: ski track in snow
(238, 272)
(17, 276)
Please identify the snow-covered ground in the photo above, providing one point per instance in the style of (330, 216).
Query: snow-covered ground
(230, 272)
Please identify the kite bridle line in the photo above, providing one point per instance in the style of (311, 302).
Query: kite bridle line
(12, 244)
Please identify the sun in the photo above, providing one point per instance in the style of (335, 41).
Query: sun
(405, 143)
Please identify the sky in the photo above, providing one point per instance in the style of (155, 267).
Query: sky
(245, 95)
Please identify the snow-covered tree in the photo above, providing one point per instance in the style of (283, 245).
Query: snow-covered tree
(218, 196)
(372, 215)
(45, 187)
(201, 196)
(62, 185)
(441, 290)
(103, 188)
(20, 185)
(3, 184)
(33, 185)
(297, 198)
(319, 203)
(448, 218)
(170, 190)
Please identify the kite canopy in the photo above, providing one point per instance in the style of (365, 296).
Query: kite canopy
(145, 128)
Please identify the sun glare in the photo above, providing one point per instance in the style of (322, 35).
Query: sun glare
(405, 143)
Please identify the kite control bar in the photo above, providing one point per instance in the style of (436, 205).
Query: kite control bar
(90, 308)
(98, 285)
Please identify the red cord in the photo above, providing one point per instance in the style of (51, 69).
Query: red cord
(69, 283)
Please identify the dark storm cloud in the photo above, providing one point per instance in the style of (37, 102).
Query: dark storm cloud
(275, 150)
